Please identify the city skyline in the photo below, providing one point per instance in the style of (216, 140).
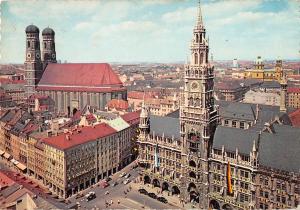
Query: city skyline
(149, 31)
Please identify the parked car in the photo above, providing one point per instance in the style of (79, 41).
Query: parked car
(126, 181)
(122, 174)
(79, 195)
(107, 179)
(162, 199)
(115, 184)
(127, 176)
(152, 195)
(143, 191)
(90, 196)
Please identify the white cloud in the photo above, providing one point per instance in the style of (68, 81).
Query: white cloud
(83, 25)
(118, 30)
(154, 2)
(180, 15)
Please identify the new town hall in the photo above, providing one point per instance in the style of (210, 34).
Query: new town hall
(230, 155)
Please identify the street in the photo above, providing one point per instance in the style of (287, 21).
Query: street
(132, 200)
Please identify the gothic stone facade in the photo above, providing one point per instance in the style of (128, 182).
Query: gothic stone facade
(189, 157)
(183, 146)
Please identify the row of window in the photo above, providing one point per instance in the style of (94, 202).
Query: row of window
(234, 124)
(232, 155)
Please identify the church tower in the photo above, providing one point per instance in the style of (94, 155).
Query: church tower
(144, 122)
(283, 94)
(49, 54)
(278, 70)
(33, 64)
(198, 117)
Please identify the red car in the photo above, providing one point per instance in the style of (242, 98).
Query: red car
(103, 184)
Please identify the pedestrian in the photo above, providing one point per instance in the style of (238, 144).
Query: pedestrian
(111, 202)
(118, 201)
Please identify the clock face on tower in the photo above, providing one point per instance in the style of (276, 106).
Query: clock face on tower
(194, 85)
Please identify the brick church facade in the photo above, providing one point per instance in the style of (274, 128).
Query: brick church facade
(72, 85)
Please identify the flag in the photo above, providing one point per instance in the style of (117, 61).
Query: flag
(229, 186)
(156, 157)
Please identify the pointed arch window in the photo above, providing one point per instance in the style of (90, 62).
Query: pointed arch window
(196, 58)
(28, 43)
(200, 38)
(45, 45)
(191, 101)
(197, 102)
(197, 38)
(201, 58)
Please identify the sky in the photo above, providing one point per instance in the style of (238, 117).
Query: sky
(153, 30)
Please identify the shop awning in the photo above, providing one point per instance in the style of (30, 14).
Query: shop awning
(21, 166)
(1, 152)
(14, 161)
(6, 155)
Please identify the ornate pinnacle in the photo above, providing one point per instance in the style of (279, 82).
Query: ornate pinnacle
(199, 18)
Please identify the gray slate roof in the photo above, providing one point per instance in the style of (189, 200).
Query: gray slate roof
(174, 114)
(233, 138)
(238, 111)
(270, 85)
(165, 125)
(247, 111)
(10, 190)
(281, 149)
(278, 150)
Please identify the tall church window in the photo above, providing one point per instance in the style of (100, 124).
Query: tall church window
(196, 58)
(45, 45)
(191, 101)
(197, 102)
(200, 38)
(197, 38)
(28, 43)
(201, 58)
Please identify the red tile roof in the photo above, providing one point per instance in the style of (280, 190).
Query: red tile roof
(82, 76)
(141, 95)
(5, 180)
(37, 96)
(80, 89)
(90, 118)
(132, 117)
(85, 134)
(18, 81)
(295, 118)
(76, 116)
(117, 104)
(5, 81)
(29, 128)
(293, 90)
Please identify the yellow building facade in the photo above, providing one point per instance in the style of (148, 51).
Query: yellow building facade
(259, 72)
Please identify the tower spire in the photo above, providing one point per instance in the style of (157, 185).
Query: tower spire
(199, 22)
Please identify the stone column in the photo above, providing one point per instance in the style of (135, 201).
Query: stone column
(98, 100)
(101, 101)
